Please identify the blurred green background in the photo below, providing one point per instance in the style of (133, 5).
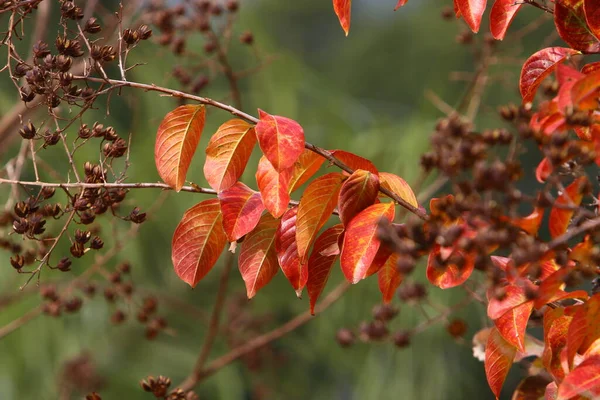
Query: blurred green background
(365, 94)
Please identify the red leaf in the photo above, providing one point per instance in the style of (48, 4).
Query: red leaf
(280, 139)
(584, 380)
(449, 274)
(551, 289)
(591, 67)
(499, 356)
(287, 251)
(305, 168)
(592, 16)
(514, 297)
(357, 193)
(556, 324)
(501, 16)
(570, 21)
(538, 67)
(472, 12)
(513, 324)
(273, 187)
(560, 217)
(241, 208)
(343, 10)
(320, 262)
(389, 278)
(531, 223)
(586, 89)
(355, 162)
(227, 153)
(360, 240)
(176, 141)
(397, 185)
(543, 170)
(198, 241)
(258, 260)
(584, 328)
(316, 205)
(400, 4)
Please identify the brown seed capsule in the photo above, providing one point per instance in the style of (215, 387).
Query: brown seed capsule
(82, 236)
(109, 294)
(136, 216)
(96, 243)
(144, 32)
(401, 339)
(247, 38)
(345, 337)
(232, 5)
(457, 328)
(17, 262)
(118, 317)
(27, 131)
(93, 396)
(92, 26)
(77, 250)
(64, 264)
(73, 304)
(384, 312)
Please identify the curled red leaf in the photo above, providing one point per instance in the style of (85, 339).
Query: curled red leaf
(501, 16)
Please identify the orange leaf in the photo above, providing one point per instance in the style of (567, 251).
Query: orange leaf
(591, 67)
(472, 12)
(241, 208)
(305, 168)
(584, 329)
(258, 260)
(585, 89)
(357, 193)
(531, 223)
(513, 324)
(321, 260)
(227, 153)
(499, 356)
(583, 380)
(273, 187)
(316, 205)
(360, 241)
(560, 215)
(397, 185)
(448, 274)
(389, 278)
(570, 21)
(355, 162)
(501, 16)
(281, 140)
(176, 141)
(287, 251)
(543, 170)
(400, 4)
(556, 325)
(343, 10)
(538, 67)
(514, 297)
(198, 241)
(592, 16)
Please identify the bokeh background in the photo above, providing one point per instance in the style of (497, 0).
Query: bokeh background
(366, 94)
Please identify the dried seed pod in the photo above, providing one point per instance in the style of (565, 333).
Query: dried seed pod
(92, 26)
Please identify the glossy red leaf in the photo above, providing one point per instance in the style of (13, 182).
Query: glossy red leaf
(316, 205)
(501, 16)
(355, 162)
(287, 251)
(399, 186)
(583, 380)
(448, 274)
(360, 240)
(273, 187)
(560, 217)
(227, 153)
(513, 324)
(538, 67)
(258, 259)
(530, 223)
(305, 168)
(472, 12)
(198, 241)
(570, 21)
(400, 3)
(241, 208)
(176, 141)
(343, 10)
(324, 254)
(281, 140)
(499, 356)
(389, 278)
(357, 193)
(584, 329)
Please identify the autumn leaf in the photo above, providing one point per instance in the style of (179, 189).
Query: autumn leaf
(499, 356)
(241, 208)
(584, 329)
(585, 89)
(281, 140)
(583, 380)
(399, 186)
(343, 11)
(592, 16)
(357, 193)
(176, 141)
(501, 16)
(530, 223)
(562, 211)
(305, 168)
(400, 3)
(258, 259)
(448, 273)
(274, 187)
(472, 12)
(227, 153)
(355, 162)
(538, 67)
(570, 21)
(321, 260)
(556, 324)
(513, 324)
(287, 251)
(316, 205)
(513, 297)
(543, 170)
(360, 240)
(389, 278)
(198, 241)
